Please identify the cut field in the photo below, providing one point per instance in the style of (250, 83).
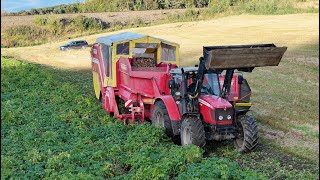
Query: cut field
(285, 98)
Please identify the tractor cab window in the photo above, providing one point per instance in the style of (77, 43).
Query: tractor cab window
(168, 52)
(123, 49)
(213, 84)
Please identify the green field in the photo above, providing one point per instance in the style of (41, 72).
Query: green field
(52, 127)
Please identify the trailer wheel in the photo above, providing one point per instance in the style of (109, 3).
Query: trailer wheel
(247, 139)
(192, 132)
(160, 118)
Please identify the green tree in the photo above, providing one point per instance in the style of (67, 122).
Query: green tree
(34, 11)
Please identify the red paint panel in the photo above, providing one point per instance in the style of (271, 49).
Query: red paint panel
(97, 65)
(172, 107)
(224, 122)
(206, 114)
(208, 104)
(110, 104)
(234, 89)
(147, 83)
(151, 83)
(215, 101)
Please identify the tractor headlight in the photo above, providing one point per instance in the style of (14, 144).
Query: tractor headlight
(224, 114)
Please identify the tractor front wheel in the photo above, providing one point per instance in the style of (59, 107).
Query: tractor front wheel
(160, 118)
(247, 137)
(192, 132)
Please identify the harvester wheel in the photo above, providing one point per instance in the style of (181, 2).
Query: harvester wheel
(247, 139)
(160, 118)
(192, 132)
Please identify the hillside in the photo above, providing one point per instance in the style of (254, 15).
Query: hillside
(94, 6)
(148, 16)
(29, 30)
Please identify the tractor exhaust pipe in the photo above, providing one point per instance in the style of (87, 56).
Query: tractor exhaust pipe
(242, 57)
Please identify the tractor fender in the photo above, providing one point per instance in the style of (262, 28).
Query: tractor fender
(171, 106)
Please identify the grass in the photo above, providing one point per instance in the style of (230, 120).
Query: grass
(306, 130)
(287, 87)
(52, 29)
(284, 97)
(226, 8)
(49, 28)
(52, 127)
(270, 160)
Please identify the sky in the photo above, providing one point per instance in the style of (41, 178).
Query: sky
(17, 5)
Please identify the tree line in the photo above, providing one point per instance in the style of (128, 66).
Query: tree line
(114, 5)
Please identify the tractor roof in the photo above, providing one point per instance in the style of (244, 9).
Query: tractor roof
(109, 40)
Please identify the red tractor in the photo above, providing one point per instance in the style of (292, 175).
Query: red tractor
(136, 78)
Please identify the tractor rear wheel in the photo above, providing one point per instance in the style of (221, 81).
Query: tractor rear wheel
(160, 118)
(247, 139)
(192, 132)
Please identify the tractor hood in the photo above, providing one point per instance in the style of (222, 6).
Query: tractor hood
(242, 57)
(214, 101)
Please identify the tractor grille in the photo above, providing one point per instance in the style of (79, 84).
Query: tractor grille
(224, 113)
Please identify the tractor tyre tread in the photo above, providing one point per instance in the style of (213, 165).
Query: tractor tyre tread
(160, 106)
(250, 131)
(197, 131)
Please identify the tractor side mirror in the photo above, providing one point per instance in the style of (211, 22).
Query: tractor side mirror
(171, 84)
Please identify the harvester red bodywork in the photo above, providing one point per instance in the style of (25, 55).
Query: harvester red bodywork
(145, 85)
